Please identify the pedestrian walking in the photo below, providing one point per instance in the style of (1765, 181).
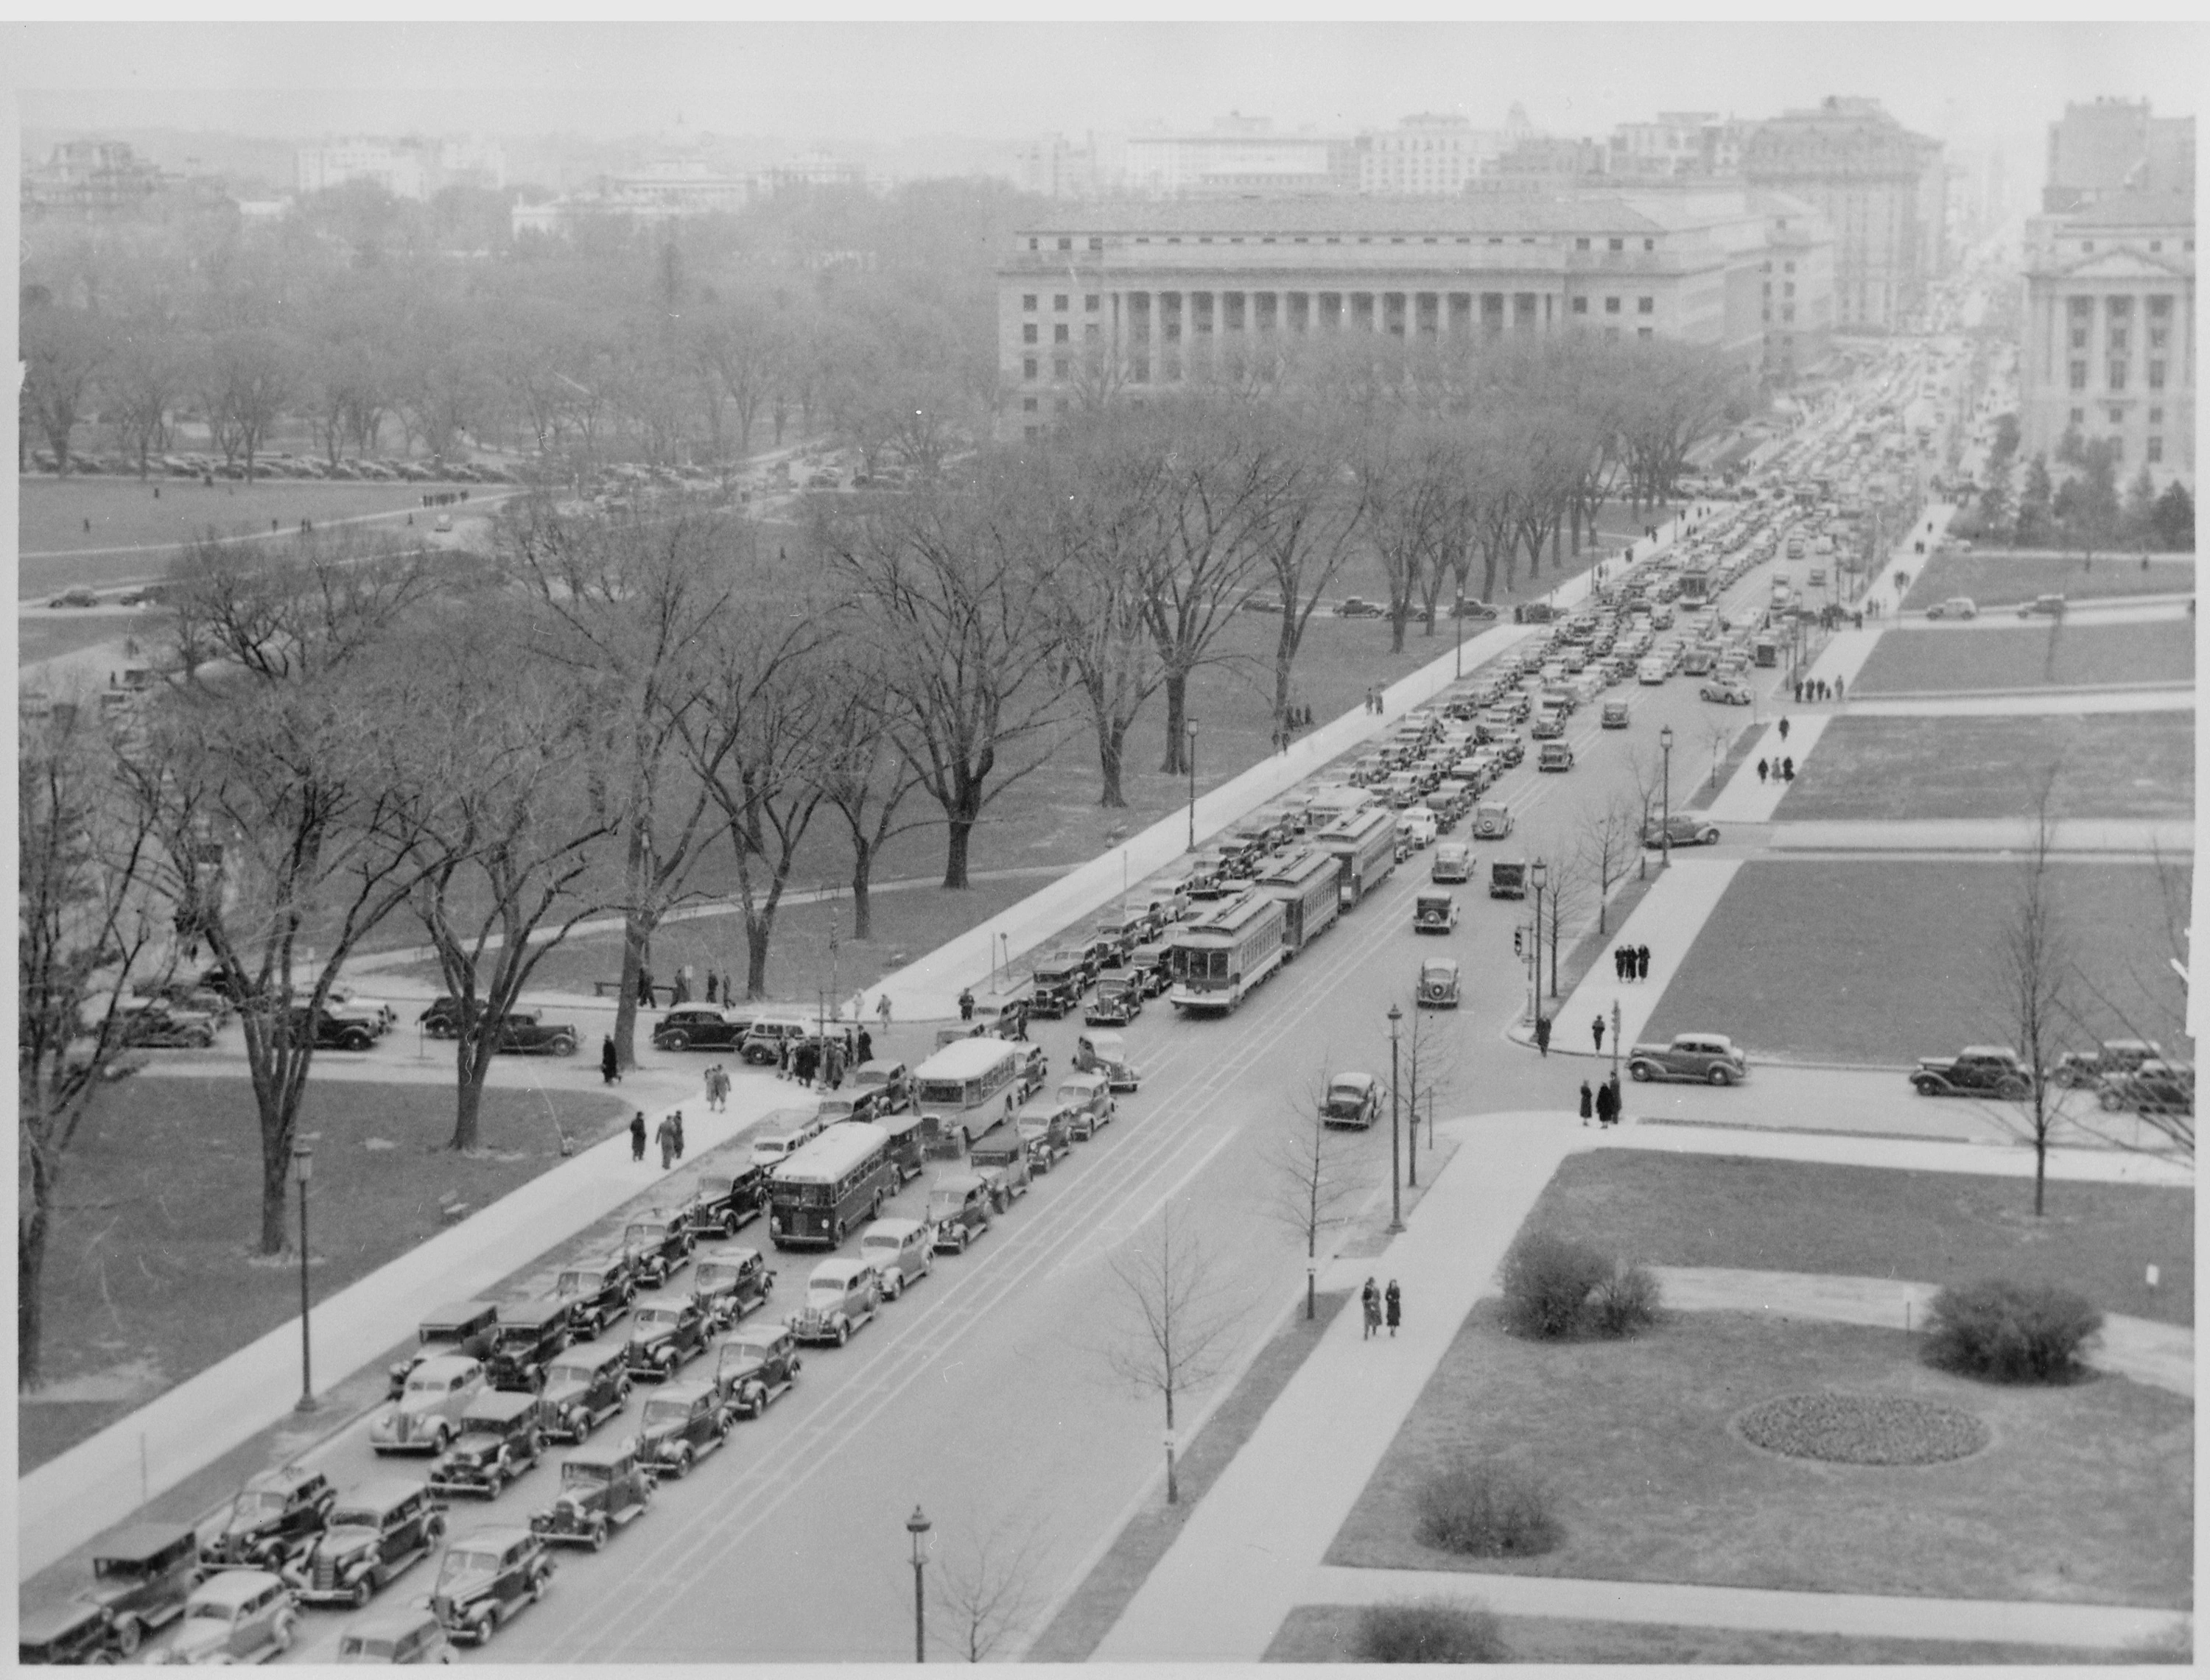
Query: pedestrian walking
(966, 1004)
(782, 1058)
(883, 1008)
(644, 988)
(1588, 1102)
(682, 985)
(864, 1049)
(1542, 1033)
(637, 1137)
(1618, 1102)
(1641, 962)
(1370, 1300)
(1394, 1299)
(803, 1061)
(1595, 1029)
(1838, 688)
(1784, 729)
(1788, 769)
(678, 1118)
(665, 1139)
(609, 1063)
(1764, 769)
(1799, 693)
(713, 987)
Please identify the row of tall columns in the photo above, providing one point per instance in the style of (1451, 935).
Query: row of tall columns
(1170, 319)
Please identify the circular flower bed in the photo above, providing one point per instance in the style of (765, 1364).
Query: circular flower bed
(1862, 1429)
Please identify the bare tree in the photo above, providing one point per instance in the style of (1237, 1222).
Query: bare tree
(1432, 1065)
(1718, 736)
(1315, 1177)
(1609, 839)
(1407, 479)
(89, 925)
(1564, 896)
(987, 1584)
(864, 778)
(1648, 774)
(2033, 985)
(63, 351)
(1180, 1340)
(1312, 531)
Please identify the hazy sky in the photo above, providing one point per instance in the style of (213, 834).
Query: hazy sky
(877, 81)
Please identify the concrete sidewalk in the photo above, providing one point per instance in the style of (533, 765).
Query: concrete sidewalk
(2174, 837)
(2026, 703)
(1990, 1160)
(1668, 918)
(97, 1482)
(1667, 1604)
(1745, 799)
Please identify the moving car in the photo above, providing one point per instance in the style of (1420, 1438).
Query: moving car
(1706, 1058)
(841, 1296)
(1001, 1156)
(410, 1635)
(758, 1365)
(1087, 1100)
(889, 1082)
(1492, 822)
(1683, 828)
(1352, 1099)
(277, 1515)
(1438, 984)
(727, 1283)
(141, 1578)
(584, 1386)
(2156, 1086)
(1977, 1070)
(664, 1336)
(2044, 607)
(1434, 913)
(1615, 714)
(78, 595)
(1727, 691)
(701, 1027)
(602, 1488)
(487, 1576)
(1555, 755)
(959, 1207)
(1106, 1053)
(682, 1424)
(527, 1032)
(1118, 1000)
(2077, 1067)
(660, 1243)
(602, 1287)
(1351, 607)
(1046, 1129)
(500, 1440)
(1957, 606)
(528, 1335)
(902, 1251)
(240, 1616)
(377, 1533)
(1454, 862)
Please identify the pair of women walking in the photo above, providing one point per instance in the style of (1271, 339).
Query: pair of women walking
(1376, 1301)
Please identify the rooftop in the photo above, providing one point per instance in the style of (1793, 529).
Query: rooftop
(1485, 213)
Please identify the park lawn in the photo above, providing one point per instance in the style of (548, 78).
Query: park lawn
(2054, 655)
(2009, 580)
(150, 1276)
(2123, 764)
(50, 635)
(1655, 1208)
(2084, 1495)
(1877, 961)
(1329, 1633)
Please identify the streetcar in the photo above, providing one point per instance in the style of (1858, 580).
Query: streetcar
(1216, 960)
(1364, 846)
(1304, 880)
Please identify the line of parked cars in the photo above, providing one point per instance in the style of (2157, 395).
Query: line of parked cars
(280, 466)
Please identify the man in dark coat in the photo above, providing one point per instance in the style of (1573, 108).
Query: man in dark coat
(866, 1046)
(609, 1063)
(676, 1118)
(1587, 1103)
(1595, 1028)
(636, 1136)
(1641, 962)
(966, 1004)
(1618, 1102)
(1542, 1033)
(1393, 1300)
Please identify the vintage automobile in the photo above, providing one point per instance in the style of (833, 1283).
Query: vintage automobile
(377, 1533)
(1434, 913)
(527, 1032)
(602, 1289)
(1438, 984)
(960, 1207)
(727, 1283)
(1957, 606)
(910, 1137)
(487, 1575)
(1707, 1058)
(410, 1635)
(1354, 606)
(1147, 965)
(1549, 727)
(601, 1488)
(902, 1251)
(757, 1365)
(426, 1416)
(1036, 1072)
(764, 1041)
(71, 1633)
(141, 1577)
(1352, 1099)
(239, 1616)
(664, 1336)
(275, 1515)
(1555, 755)
(682, 1424)
(2077, 1067)
(662, 1242)
(1046, 1126)
(1106, 1053)
(528, 1336)
(331, 1031)
(1001, 1156)
(701, 1027)
(2156, 1086)
(726, 1201)
(889, 1082)
(1727, 691)
(584, 1386)
(1978, 1070)
(1118, 1000)
(1058, 984)
(79, 595)
(836, 1109)
(2045, 607)
(502, 1438)
(154, 1024)
(841, 1296)
(1683, 828)
(1491, 822)
(1615, 714)
(1088, 1098)
(1454, 861)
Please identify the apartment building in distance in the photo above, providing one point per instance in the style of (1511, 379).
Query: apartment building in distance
(1880, 188)
(1143, 293)
(1241, 155)
(2112, 148)
(410, 168)
(87, 178)
(1679, 146)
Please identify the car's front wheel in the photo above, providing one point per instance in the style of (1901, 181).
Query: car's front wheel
(564, 1046)
(1720, 1076)
(2112, 1101)
(676, 1040)
(843, 1332)
(1639, 1072)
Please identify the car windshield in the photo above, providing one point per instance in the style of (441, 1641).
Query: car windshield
(872, 1244)
(367, 1645)
(646, 1315)
(210, 1610)
(462, 1562)
(946, 1205)
(252, 1506)
(827, 1289)
(667, 1411)
(647, 1231)
(714, 1276)
(573, 1471)
(562, 1374)
(364, 1517)
(754, 1343)
(581, 1283)
(432, 1384)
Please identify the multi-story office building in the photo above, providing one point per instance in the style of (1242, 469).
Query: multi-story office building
(409, 168)
(1144, 293)
(1680, 145)
(89, 176)
(1879, 187)
(2108, 337)
(1425, 157)
(1242, 156)
(2115, 148)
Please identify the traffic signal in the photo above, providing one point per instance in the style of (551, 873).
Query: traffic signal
(1518, 942)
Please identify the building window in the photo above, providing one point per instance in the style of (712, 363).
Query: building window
(2118, 417)
(2082, 308)
(2156, 416)
(2117, 372)
(1580, 306)
(1650, 244)
(2158, 337)
(1768, 313)
(1580, 244)
(1090, 302)
(2156, 449)
(1058, 301)
(1788, 311)
(1029, 333)
(2159, 307)
(1097, 242)
(1028, 367)
(1611, 306)
(2155, 376)
(1788, 267)
(1059, 365)
(1028, 405)
(1615, 244)
(1768, 288)
(1089, 332)
(2079, 380)
(1029, 433)
(1066, 243)
(2078, 338)
(1059, 333)
(2079, 416)
(2117, 341)
(1646, 306)
(2156, 244)
(1645, 332)
(2118, 308)
(1059, 404)
(1612, 332)
(1033, 245)
(1027, 300)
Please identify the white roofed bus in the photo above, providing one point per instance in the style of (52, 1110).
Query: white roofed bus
(963, 1087)
(830, 1186)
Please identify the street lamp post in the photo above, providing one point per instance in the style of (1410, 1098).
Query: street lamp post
(1396, 1194)
(1615, 1041)
(1665, 833)
(303, 1169)
(1540, 872)
(1190, 758)
(918, 1525)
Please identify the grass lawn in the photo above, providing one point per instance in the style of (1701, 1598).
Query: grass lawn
(2054, 655)
(51, 635)
(1882, 960)
(1087, 1616)
(1329, 1633)
(1661, 1209)
(150, 1276)
(2008, 580)
(2085, 1493)
(2133, 764)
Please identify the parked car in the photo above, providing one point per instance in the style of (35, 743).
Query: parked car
(487, 1576)
(664, 1336)
(1001, 1156)
(76, 595)
(584, 1386)
(152, 1024)
(701, 1027)
(1088, 1099)
(141, 1577)
(902, 1251)
(889, 1082)
(426, 1416)
(601, 1488)
(1727, 691)
(758, 1366)
(1352, 1099)
(2043, 606)
(2077, 1067)
(728, 1282)
(70, 1634)
(661, 1243)
(1438, 984)
(411, 1636)
(527, 1032)
(1708, 1059)
(960, 1207)
(766, 1036)
(1957, 606)
(501, 1439)
(2155, 1086)
(1977, 1070)
(240, 1616)
(376, 1533)
(1352, 606)
(526, 1337)
(841, 1296)
(683, 1423)
(1434, 912)
(332, 1030)
(602, 1288)
(1684, 828)
(835, 1110)
(274, 1517)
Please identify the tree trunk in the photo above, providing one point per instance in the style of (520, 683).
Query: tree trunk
(1177, 693)
(30, 1270)
(275, 1182)
(955, 850)
(1398, 611)
(1111, 749)
(636, 934)
(863, 870)
(468, 1104)
(759, 934)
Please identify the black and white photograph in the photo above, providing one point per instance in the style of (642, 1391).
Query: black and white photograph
(869, 838)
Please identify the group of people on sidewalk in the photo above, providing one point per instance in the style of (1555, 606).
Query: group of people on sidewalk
(1818, 688)
(717, 1089)
(1602, 1102)
(826, 1060)
(1374, 1302)
(1782, 768)
(1629, 962)
(669, 1137)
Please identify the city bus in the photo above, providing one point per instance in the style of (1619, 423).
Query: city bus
(1216, 961)
(963, 1087)
(830, 1186)
(1306, 882)
(1364, 847)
